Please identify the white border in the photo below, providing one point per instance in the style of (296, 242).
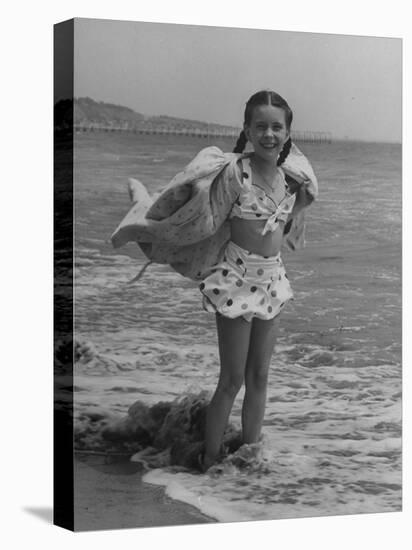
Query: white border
(26, 302)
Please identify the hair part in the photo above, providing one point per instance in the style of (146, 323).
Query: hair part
(265, 97)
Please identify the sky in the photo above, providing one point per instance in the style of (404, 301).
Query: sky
(350, 86)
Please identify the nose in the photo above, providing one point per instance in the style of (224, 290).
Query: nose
(269, 132)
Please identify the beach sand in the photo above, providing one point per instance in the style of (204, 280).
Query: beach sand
(110, 494)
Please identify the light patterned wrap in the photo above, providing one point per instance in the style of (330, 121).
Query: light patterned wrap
(187, 226)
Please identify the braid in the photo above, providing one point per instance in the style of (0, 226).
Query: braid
(241, 143)
(285, 151)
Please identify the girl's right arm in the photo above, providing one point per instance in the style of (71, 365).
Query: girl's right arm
(224, 191)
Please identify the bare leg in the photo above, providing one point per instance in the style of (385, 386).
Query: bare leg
(233, 337)
(262, 341)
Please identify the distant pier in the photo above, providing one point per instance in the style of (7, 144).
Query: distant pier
(203, 132)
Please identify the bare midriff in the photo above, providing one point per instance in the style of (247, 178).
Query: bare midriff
(248, 235)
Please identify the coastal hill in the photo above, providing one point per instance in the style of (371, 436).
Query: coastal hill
(87, 112)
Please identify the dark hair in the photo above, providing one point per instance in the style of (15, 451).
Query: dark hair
(265, 97)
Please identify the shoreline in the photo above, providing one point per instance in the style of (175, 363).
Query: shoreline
(109, 494)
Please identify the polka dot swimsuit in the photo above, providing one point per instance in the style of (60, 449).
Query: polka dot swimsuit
(256, 203)
(246, 285)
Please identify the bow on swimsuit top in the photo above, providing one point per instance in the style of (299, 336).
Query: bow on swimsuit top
(254, 202)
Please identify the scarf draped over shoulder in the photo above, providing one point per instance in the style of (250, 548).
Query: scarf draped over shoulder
(186, 225)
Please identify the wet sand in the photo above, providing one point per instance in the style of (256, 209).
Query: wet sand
(110, 494)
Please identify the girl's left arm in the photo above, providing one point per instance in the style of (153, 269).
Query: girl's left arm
(294, 230)
(303, 197)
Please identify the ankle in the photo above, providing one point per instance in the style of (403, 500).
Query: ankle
(207, 461)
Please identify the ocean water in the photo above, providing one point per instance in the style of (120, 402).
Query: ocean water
(332, 429)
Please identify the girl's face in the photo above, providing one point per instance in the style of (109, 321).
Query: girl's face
(267, 131)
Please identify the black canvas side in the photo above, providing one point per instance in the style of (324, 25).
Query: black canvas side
(63, 275)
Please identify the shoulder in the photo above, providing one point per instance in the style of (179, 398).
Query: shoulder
(209, 161)
(213, 154)
(232, 174)
(291, 185)
(212, 157)
(298, 169)
(225, 167)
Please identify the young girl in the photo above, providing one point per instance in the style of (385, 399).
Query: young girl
(223, 221)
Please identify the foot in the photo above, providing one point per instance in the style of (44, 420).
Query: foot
(206, 462)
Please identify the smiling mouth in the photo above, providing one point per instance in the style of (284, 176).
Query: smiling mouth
(268, 145)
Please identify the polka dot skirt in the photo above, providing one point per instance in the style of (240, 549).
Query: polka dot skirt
(246, 285)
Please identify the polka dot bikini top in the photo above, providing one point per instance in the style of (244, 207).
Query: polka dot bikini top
(254, 202)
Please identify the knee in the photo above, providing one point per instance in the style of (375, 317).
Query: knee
(257, 378)
(230, 385)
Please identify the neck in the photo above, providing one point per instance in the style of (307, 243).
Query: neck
(266, 166)
(266, 172)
